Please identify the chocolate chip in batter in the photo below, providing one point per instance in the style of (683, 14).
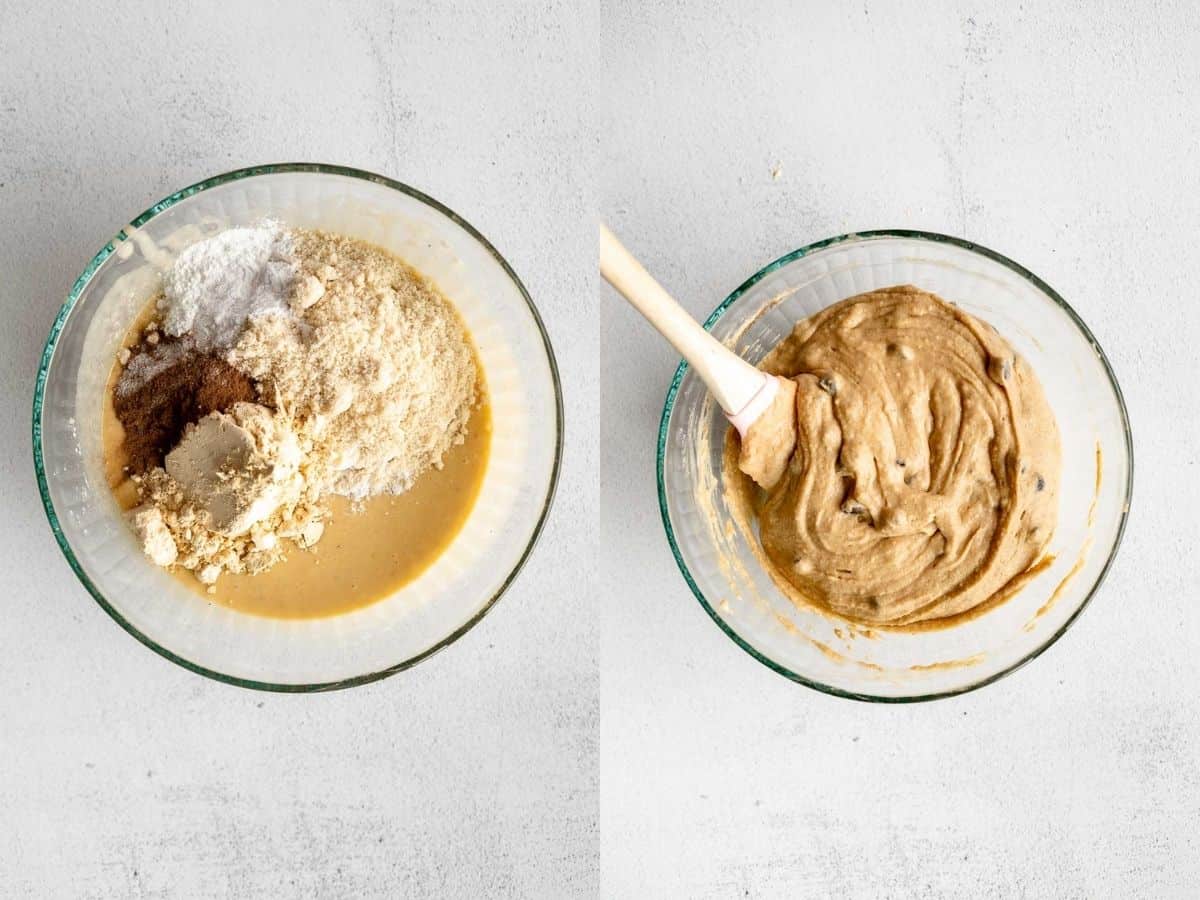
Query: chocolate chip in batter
(1040, 484)
(1000, 369)
(828, 385)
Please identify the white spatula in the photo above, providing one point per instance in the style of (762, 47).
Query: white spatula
(742, 391)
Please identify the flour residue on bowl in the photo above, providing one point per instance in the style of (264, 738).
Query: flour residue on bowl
(1084, 551)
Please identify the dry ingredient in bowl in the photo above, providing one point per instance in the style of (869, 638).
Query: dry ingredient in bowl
(918, 477)
(290, 366)
(217, 285)
(165, 387)
(372, 360)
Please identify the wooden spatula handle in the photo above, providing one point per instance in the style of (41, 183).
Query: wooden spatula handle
(732, 380)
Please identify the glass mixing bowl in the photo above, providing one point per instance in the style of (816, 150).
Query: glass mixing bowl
(814, 647)
(425, 615)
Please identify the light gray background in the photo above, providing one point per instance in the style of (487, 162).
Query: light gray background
(1063, 135)
(122, 775)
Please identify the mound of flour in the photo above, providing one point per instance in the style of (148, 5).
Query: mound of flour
(374, 363)
(217, 285)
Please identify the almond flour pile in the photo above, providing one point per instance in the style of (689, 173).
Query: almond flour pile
(289, 365)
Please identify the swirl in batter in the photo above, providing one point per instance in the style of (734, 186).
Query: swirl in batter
(915, 478)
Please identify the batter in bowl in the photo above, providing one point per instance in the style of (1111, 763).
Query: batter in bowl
(915, 478)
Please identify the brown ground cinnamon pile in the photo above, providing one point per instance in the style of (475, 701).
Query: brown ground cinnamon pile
(167, 385)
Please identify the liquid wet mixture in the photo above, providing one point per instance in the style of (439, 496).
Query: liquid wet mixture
(365, 553)
(298, 426)
(908, 471)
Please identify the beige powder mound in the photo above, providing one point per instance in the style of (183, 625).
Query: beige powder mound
(178, 525)
(373, 365)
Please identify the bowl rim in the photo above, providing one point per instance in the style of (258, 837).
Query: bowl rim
(864, 236)
(85, 278)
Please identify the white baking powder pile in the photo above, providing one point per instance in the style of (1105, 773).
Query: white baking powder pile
(217, 285)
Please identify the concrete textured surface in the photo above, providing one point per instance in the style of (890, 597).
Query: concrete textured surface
(596, 735)
(121, 775)
(1062, 134)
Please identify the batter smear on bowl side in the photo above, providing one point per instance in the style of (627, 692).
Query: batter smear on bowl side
(916, 478)
(298, 423)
